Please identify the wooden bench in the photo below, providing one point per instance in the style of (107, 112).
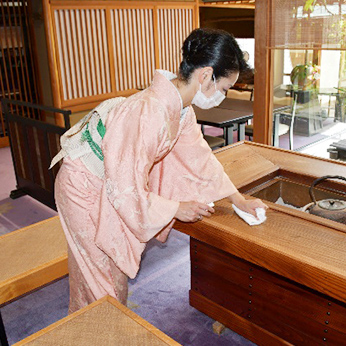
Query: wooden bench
(31, 257)
(104, 322)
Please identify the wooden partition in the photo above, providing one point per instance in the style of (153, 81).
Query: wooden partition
(103, 49)
(18, 72)
(33, 145)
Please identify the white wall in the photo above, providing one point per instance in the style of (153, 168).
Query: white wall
(330, 65)
(248, 45)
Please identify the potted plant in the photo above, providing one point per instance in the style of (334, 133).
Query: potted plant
(304, 81)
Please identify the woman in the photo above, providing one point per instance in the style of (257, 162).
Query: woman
(133, 166)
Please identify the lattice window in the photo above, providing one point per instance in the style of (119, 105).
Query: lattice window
(174, 25)
(133, 47)
(83, 52)
(106, 50)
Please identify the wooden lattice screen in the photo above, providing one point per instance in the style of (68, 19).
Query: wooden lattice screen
(104, 49)
(17, 70)
(33, 145)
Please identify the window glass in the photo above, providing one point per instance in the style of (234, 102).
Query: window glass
(248, 45)
(311, 84)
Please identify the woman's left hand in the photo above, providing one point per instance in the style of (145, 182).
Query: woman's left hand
(247, 205)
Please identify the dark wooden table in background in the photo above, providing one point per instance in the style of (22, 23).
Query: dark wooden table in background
(225, 119)
(231, 113)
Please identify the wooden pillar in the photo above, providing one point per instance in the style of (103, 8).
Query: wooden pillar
(52, 58)
(263, 117)
(197, 19)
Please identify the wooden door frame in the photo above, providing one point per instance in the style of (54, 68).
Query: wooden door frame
(263, 101)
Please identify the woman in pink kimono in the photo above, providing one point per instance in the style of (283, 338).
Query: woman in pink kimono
(134, 165)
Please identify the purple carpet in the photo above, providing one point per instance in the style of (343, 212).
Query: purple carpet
(159, 293)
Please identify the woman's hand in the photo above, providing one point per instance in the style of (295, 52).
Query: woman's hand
(247, 205)
(193, 211)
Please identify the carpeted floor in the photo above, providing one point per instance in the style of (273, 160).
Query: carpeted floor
(159, 293)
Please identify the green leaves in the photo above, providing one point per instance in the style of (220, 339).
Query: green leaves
(309, 5)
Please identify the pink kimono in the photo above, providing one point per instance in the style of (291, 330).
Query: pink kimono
(154, 157)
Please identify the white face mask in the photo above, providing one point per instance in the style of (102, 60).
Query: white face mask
(204, 102)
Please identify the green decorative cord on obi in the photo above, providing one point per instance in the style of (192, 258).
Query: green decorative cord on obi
(86, 136)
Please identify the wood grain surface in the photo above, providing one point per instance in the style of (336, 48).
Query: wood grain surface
(243, 165)
(31, 257)
(298, 162)
(247, 161)
(235, 322)
(293, 312)
(302, 247)
(308, 253)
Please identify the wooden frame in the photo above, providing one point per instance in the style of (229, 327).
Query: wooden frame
(263, 102)
(126, 312)
(265, 307)
(44, 270)
(229, 4)
(44, 261)
(295, 257)
(133, 39)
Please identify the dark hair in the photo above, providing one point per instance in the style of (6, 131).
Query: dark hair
(210, 47)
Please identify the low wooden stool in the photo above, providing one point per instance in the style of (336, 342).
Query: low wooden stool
(31, 257)
(104, 322)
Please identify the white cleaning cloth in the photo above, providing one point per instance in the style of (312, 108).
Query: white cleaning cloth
(250, 219)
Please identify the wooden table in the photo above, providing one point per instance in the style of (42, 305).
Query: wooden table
(246, 106)
(104, 322)
(226, 119)
(284, 281)
(237, 105)
(339, 103)
(234, 112)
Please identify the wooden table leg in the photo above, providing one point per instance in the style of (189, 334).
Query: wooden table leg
(218, 328)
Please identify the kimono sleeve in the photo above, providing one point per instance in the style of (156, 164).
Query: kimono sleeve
(133, 139)
(194, 169)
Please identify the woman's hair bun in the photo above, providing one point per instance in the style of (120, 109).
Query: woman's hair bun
(210, 47)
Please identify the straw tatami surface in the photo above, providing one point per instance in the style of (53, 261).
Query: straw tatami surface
(46, 238)
(105, 322)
